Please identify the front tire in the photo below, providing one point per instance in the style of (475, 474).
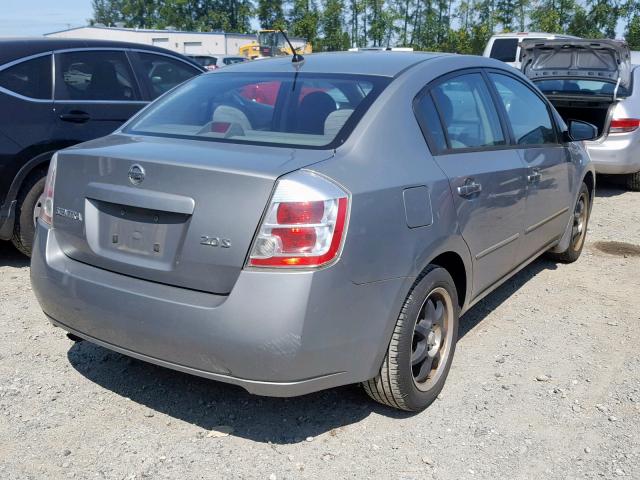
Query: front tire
(27, 210)
(581, 213)
(421, 350)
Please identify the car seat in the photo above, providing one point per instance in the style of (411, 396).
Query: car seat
(314, 109)
(104, 83)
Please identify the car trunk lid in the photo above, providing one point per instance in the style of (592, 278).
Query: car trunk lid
(604, 60)
(174, 211)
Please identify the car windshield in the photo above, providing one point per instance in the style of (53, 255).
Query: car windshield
(307, 110)
(580, 87)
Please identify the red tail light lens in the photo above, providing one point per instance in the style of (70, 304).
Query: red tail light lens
(624, 125)
(305, 224)
(300, 212)
(46, 212)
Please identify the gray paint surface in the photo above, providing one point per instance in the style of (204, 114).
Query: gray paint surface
(291, 332)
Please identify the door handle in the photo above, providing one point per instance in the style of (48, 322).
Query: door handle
(75, 116)
(534, 176)
(469, 188)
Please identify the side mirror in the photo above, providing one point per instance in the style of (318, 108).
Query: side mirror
(579, 130)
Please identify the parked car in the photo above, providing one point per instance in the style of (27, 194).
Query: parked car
(58, 92)
(506, 46)
(227, 60)
(208, 62)
(593, 80)
(211, 62)
(315, 241)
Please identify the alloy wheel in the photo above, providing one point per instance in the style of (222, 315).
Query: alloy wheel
(580, 218)
(36, 209)
(432, 338)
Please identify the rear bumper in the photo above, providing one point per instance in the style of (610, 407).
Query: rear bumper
(276, 334)
(616, 154)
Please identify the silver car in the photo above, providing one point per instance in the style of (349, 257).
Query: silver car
(593, 80)
(292, 227)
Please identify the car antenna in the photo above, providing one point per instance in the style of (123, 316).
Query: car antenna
(297, 58)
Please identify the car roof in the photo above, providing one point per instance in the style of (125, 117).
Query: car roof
(388, 64)
(15, 48)
(531, 34)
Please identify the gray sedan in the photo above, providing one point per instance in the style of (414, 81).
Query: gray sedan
(292, 227)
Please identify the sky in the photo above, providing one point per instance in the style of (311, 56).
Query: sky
(35, 17)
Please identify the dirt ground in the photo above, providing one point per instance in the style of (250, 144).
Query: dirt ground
(545, 384)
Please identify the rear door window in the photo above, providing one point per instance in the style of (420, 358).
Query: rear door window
(31, 78)
(468, 112)
(504, 49)
(429, 121)
(95, 76)
(527, 113)
(161, 73)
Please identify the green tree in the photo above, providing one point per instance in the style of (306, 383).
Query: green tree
(580, 25)
(107, 12)
(304, 19)
(632, 35)
(271, 14)
(604, 16)
(332, 28)
(382, 18)
(197, 15)
(507, 14)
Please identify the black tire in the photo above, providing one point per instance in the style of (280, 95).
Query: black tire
(24, 228)
(633, 182)
(396, 384)
(578, 229)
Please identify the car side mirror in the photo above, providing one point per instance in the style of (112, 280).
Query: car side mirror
(579, 130)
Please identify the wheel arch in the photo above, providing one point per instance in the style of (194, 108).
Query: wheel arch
(452, 262)
(590, 180)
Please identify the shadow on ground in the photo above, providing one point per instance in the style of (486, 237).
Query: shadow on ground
(10, 257)
(610, 186)
(208, 404)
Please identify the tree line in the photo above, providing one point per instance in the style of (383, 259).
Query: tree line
(461, 26)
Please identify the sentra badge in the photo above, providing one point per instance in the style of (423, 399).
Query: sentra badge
(65, 212)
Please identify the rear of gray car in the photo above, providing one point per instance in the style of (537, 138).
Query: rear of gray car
(289, 229)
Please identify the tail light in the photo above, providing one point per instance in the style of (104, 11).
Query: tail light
(46, 212)
(624, 125)
(305, 224)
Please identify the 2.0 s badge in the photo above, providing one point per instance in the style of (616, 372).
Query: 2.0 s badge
(215, 241)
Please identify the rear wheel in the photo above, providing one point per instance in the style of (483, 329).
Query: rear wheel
(421, 350)
(27, 211)
(633, 181)
(581, 213)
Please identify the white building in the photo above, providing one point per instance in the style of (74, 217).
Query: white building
(188, 43)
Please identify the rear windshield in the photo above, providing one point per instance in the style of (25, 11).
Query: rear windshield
(580, 87)
(504, 49)
(304, 110)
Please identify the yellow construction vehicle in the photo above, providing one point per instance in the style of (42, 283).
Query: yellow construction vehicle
(270, 43)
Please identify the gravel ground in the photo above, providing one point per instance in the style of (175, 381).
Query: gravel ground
(545, 383)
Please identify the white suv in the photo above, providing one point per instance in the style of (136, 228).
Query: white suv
(506, 46)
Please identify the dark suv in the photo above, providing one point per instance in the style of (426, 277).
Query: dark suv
(59, 92)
